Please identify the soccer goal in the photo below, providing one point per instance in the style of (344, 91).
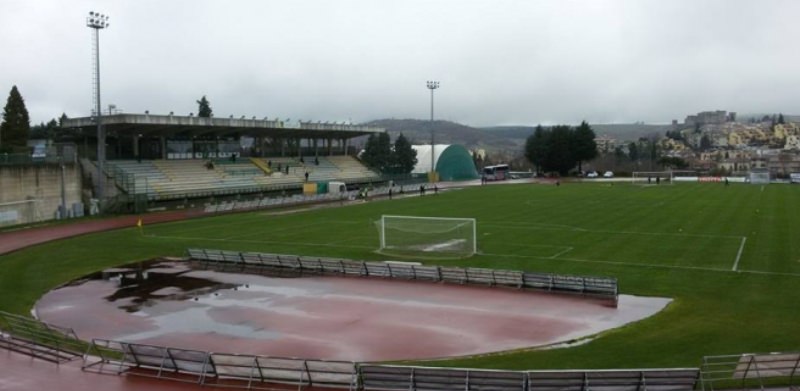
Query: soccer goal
(652, 177)
(427, 237)
(759, 176)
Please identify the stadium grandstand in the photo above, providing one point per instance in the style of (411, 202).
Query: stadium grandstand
(163, 157)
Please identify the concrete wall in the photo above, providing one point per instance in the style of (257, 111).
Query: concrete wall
(31, 193)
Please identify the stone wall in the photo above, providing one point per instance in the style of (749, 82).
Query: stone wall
(31, 193)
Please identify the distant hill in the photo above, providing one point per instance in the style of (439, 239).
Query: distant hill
(617, 131)
(446, 132)
(498, 138)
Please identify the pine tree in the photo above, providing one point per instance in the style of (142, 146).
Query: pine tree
(405, 157)
(633, 152)
(204, 108)
(383, 148)
(370, 155)
(560, 156)
(16, 123)
(536, 147)
(584, 146)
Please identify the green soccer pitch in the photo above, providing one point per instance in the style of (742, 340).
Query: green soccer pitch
(729, 256)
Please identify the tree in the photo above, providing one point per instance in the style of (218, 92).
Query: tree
(705, 143)
(780, 119)
(633, 151)
(653, 150)
(560, 156)
(404, 157)
(584, 147)
(204, 108)
(536, 147)
(619, 154)
(377, 152)
(45, 130)
(368, 157)
(672, 162)
(384, 152)
(16, 123)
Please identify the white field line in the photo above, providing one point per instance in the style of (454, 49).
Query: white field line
(739, 254)
(562, 252)
(256, 241)
(568, 228)
(292, 231)
(648, 265)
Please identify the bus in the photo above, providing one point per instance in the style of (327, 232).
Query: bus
(497, 172)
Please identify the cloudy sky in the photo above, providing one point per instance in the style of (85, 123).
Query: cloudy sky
(499, 62)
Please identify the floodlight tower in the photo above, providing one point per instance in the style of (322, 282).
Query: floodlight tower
(97, 21)
(432, 85)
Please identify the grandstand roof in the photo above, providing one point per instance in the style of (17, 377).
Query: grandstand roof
(149, 124)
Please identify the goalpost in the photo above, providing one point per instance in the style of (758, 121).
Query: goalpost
(427, 237)
(759, 176)
(653, 177)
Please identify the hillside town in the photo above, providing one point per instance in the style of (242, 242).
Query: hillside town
(716, 142)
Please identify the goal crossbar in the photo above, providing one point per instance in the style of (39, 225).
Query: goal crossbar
(638, 176)
(428, 234)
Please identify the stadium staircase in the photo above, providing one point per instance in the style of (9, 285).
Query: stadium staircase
(260, 164)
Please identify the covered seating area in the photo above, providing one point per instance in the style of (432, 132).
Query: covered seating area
(170, 157)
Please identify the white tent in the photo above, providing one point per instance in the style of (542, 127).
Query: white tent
(424, 157)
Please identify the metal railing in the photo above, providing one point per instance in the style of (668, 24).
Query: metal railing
(599, 287)
(39, 339)
(750, 370)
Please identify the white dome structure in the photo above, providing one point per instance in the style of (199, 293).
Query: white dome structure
(452, 162)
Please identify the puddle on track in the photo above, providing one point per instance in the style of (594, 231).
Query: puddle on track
(345, 318)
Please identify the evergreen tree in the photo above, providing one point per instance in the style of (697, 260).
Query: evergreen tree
(705, 143)
(404, 156)
(584, 146)
(619, 154)
(780, 119)
(377, 152)
(383, 147)
(204, 108)
(370, 152)
(560, 156)
(633, 151)
(45, 130)
(16, 123)
(536, 147)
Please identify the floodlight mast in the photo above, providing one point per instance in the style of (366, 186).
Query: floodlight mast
(432, 85)
(97, 21)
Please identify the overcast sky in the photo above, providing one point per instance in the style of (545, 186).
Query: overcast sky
(499, 62)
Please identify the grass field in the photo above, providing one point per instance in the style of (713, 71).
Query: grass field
(729, 256)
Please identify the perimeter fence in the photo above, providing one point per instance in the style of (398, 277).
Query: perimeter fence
(59, 344)
(750, 370)
(39, 339)
(217, 369)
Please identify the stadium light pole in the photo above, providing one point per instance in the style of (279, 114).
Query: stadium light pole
(97, 21)
(432, 85)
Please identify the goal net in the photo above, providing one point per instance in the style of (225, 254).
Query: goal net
(759, 176)
(652, 177)
(427, 237)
